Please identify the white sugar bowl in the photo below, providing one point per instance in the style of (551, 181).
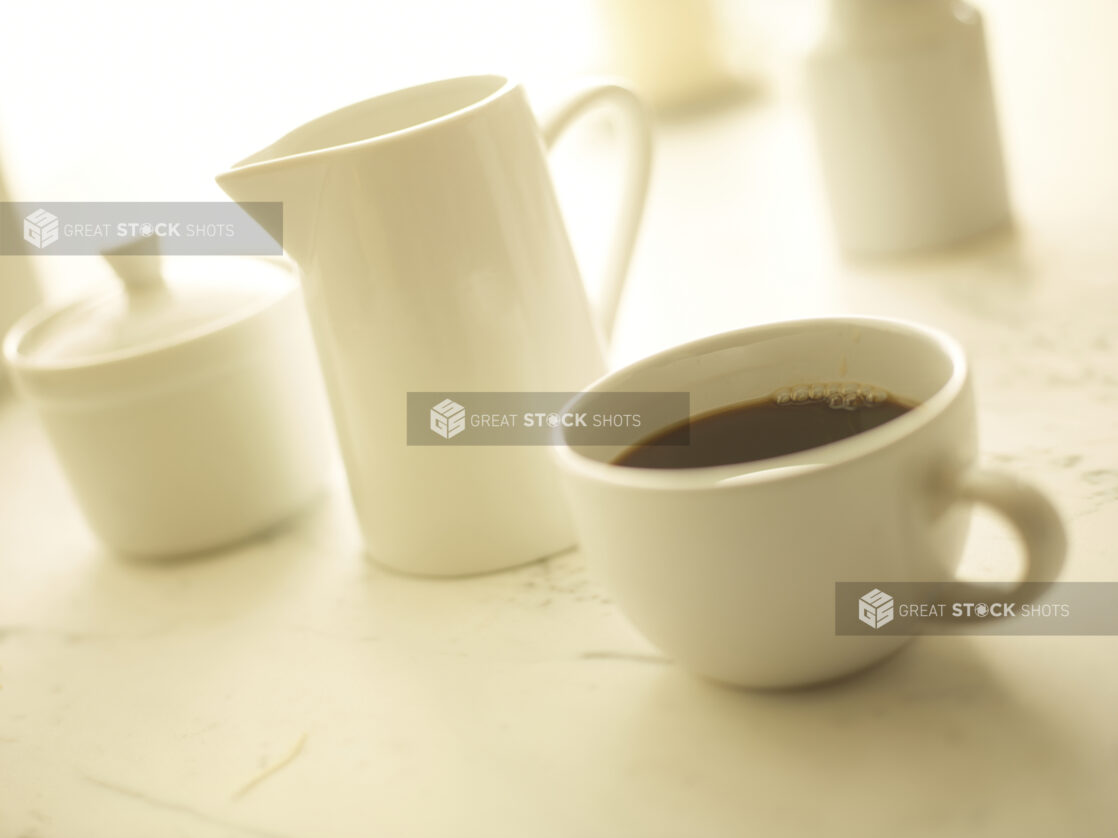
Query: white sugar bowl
(186, 411)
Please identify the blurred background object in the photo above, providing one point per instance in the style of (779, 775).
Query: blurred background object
(676, 53)
(906, 125)
(19, 290)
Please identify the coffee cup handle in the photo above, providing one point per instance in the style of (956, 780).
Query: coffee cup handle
(637, 133)
(1033, 516)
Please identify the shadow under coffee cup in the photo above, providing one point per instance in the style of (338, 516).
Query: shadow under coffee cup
(732, 568)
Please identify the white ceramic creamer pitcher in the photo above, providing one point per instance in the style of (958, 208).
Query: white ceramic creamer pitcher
(434, 258)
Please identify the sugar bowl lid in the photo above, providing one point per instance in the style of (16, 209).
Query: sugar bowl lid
(168, 318)
(152, 310)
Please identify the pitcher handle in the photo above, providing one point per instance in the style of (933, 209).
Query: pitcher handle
(637, 131)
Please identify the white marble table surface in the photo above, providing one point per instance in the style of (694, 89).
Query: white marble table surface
(291, 688)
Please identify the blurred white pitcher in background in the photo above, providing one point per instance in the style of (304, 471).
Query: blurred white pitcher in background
(906, 125)
(434, 258)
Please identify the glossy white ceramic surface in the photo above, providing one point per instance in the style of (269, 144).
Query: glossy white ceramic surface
(434, 258)
(732, 569)
(187, 440)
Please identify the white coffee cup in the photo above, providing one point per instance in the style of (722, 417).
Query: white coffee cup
(732, 569)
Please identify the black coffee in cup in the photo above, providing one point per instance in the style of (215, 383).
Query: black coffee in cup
(793, 419)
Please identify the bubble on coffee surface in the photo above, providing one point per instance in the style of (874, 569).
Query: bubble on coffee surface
(840, 395)
(795, 418)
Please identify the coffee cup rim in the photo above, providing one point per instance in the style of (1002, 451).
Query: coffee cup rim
(787, 466)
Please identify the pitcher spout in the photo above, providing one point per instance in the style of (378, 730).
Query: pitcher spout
(260, 182)
(295, 168)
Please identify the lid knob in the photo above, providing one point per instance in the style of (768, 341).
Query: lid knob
(139, 265)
